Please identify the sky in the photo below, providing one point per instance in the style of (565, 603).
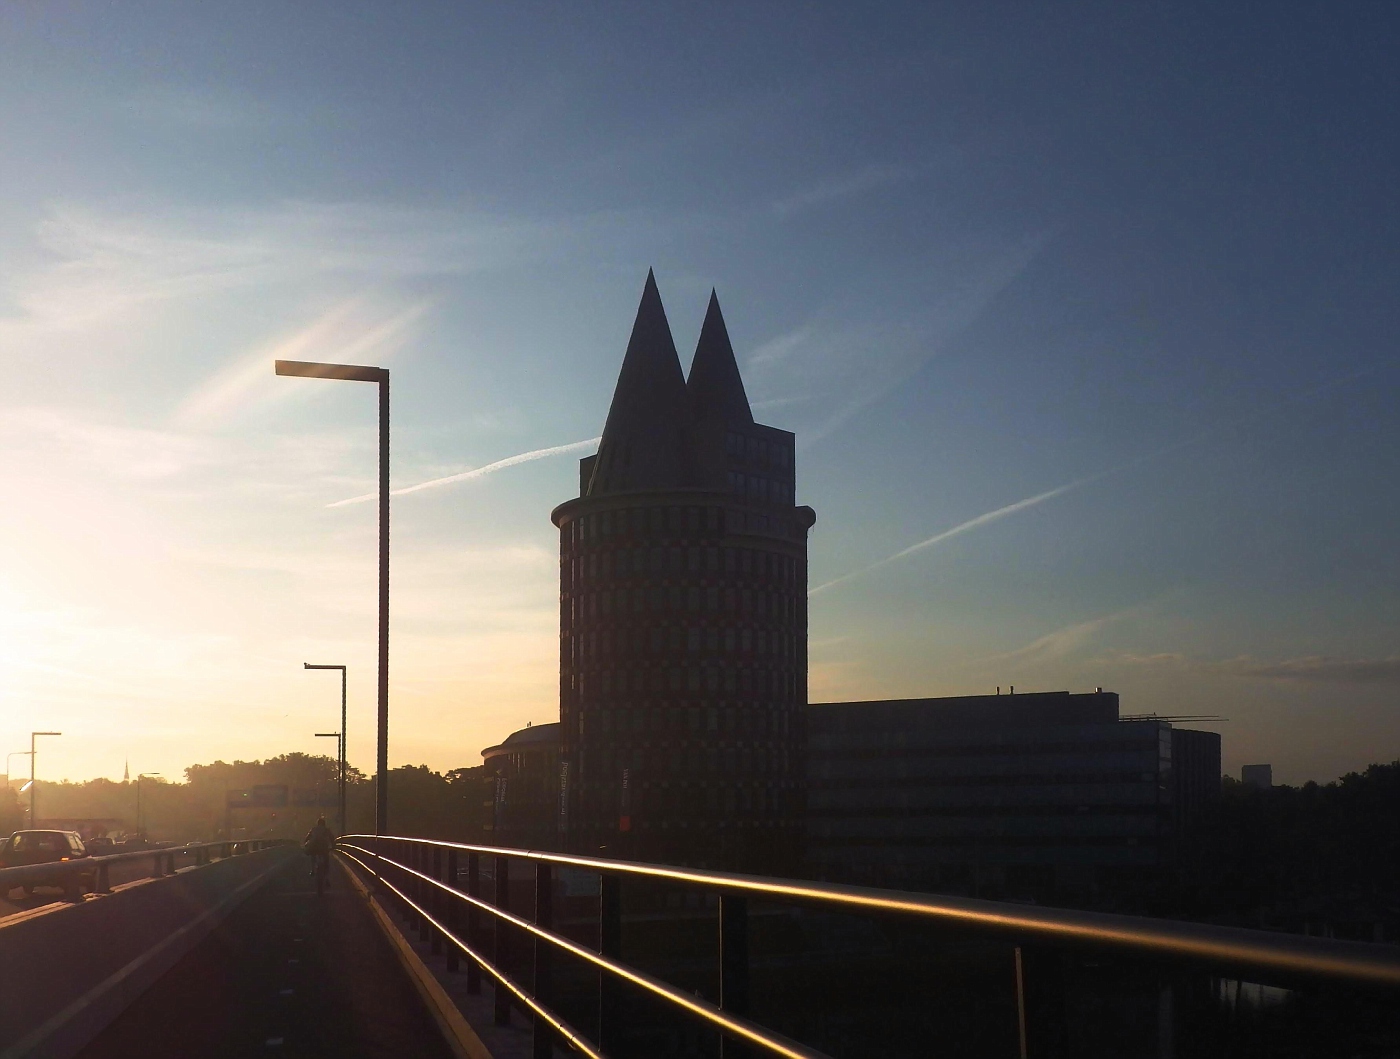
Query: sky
(1084, 316)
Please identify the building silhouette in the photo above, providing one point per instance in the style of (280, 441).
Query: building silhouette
(1037, 795)
(685, 735)
(683, 618)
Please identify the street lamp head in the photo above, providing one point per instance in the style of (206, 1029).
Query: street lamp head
(311, 370)
(45, 733)
(312, 665)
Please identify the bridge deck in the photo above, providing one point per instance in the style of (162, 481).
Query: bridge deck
(287, 974)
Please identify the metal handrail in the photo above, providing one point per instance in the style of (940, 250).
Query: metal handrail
(98, 866)
(718, 1018)
(1237, 951)
(1238, 948)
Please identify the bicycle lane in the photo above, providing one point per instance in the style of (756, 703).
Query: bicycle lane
(287, 974)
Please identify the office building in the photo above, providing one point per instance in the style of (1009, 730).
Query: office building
(999, 794)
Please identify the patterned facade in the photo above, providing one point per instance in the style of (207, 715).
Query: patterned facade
(683, 619)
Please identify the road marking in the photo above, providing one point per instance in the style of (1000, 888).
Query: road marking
(285, 992)
(274, 1042)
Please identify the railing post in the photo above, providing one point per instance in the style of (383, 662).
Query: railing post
(544, 952)
(451, 911)
(733, 963)
(609, 945)
(155, 866)
(500, 947)
(1020, 1003)
(424, 893)
(473, 922)
(103, 879)
(435, 902)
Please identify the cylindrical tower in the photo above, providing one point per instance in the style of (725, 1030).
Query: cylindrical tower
(683, 622)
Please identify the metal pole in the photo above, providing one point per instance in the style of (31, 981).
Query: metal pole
(342, 750)
(34, 786)
(381, 809)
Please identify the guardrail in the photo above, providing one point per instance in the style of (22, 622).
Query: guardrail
(162, 863)
(424, 877)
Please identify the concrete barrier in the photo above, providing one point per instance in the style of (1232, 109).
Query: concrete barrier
(66, 971)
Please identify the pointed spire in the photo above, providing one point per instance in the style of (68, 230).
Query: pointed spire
(715, 387)
(643, 437)
(126, 771)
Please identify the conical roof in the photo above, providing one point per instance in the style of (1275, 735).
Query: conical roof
(643, 438)
(715, 388)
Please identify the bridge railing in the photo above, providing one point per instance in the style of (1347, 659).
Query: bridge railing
(424, 877)
(162, 860)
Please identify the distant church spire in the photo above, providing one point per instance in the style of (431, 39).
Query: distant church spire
(715, 386)
(643, 438)
(126, 771)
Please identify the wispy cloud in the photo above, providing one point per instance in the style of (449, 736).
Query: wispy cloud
(845, 185)
(845, 366)
(1321, 669)
(112, 449)
(478, 472)
(350, 331)
(187, 108)
(99, 267)
(1066, 640)
(964, 527)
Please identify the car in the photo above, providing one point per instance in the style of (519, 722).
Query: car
(47, 847)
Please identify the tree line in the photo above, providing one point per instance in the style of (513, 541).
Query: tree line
(427, 804)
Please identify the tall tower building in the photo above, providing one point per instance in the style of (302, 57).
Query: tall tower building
(683, 618)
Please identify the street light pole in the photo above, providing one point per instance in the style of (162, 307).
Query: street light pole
(341, 758)
(343, 730)
(356, 373)
(32, 786)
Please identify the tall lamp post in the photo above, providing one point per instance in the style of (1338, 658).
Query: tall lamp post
(139, 777)
(341, 733)
(32, 786)
(340, 758)
(354, 373)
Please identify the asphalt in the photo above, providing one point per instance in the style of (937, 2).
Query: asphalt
(14, 900)
(287, 974)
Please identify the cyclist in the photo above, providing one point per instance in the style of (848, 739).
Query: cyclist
(318, 844)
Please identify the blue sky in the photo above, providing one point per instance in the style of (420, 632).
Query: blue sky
(1136, 260)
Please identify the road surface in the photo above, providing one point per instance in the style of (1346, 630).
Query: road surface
(287, 974)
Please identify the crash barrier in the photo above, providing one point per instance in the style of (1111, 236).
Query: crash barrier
(424, 878)
(67, 970)
(70, 873)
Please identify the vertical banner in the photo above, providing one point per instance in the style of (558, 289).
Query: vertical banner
(624, 820)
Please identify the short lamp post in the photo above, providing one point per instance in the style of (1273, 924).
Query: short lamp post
(355, 373)
(14, 754)
(139, 777)
(33, 787)
(341, 734)
(340, 760)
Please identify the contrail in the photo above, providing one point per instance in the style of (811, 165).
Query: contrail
(970, 524)
(1021, 505)
(479, 472)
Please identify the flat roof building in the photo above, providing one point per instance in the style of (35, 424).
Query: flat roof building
(998, 794)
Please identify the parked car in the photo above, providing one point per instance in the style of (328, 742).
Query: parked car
(47, 847)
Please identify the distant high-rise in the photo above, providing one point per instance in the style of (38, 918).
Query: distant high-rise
(683, 618)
